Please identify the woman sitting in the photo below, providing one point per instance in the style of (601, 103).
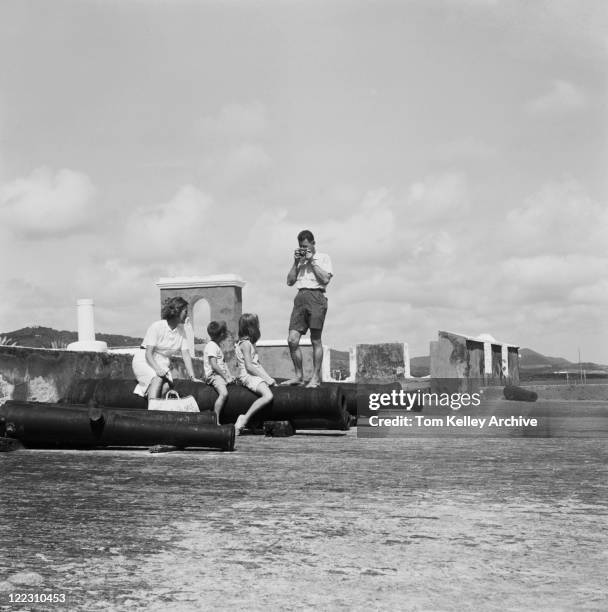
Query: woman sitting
(164, 338)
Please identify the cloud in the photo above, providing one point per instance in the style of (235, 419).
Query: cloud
(47, 204)
(170, 232)
(235, 122)
(444, 196)
(559, 219)
(548, 278)
(562, 97)
(27, 303)
(465, 149)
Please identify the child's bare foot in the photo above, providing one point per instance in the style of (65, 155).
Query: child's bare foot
(313, 383)
(240, 424)
(293, 382)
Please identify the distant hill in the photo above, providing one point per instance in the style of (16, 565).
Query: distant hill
(46, 337)
(532, 361)
(529, 359)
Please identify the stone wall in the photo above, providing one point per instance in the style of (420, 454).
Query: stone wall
(381, 362)
(458, 364)
(44, 375)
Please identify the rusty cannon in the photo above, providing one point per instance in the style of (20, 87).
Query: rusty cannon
(317, 407)
(57, 425)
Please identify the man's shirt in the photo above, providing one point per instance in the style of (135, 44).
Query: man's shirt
(306, 278)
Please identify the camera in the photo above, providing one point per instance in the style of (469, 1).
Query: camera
(301, 252)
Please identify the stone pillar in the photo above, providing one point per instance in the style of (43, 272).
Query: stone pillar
(86, 329)
(86, 324)
(487, 361)
(505, 360)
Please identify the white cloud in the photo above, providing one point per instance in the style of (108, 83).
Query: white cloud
(442, 196)
(47, 204)
(170, 232)
(235, 122)
(471, 149)
(551, 277)
(562, 97)
(26, 303)
(559, 219)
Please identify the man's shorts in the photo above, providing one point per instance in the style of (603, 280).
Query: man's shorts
(309, 310)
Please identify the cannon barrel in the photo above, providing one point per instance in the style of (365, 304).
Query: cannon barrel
(326, 403)
(519, 394)
(39, 424)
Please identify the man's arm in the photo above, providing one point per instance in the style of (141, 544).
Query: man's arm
(292, 275)
(321, 275)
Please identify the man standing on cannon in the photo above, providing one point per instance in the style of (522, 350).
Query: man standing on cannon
(310, 273)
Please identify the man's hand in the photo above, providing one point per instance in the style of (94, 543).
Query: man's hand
(309, 255)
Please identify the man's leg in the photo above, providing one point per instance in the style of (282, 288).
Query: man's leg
(317, 357)
(293, 340)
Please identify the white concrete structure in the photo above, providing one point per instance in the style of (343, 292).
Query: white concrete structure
(86, 329)
(190, 282)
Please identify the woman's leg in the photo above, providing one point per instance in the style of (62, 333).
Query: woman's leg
(158, 388)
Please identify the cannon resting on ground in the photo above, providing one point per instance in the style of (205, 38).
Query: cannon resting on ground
(57, 425)
(322, 408)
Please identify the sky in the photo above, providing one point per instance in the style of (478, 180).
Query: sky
(450, 156)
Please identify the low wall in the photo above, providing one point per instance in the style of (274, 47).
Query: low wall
(381, 362)
(276, 360)
(458, 364)
(43, 375)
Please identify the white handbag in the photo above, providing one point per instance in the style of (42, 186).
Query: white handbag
(174, 403)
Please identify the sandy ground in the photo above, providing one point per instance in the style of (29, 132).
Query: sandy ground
(313, 521)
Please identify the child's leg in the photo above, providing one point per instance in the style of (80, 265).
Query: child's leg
(222, 395)
(263, 390)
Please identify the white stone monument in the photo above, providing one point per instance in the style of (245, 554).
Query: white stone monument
(86, 329)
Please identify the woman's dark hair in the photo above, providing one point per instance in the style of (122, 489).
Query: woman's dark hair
(249, 327)
(217, 330)
(172, 307)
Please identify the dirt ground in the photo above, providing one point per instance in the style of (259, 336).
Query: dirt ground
(313, 521)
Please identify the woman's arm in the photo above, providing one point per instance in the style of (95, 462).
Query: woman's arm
(160, 372)
(188, 363)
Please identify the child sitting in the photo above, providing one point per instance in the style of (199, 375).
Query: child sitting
(217, 374)
(251, 374)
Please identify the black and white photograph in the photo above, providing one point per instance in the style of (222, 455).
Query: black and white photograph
(303, 305)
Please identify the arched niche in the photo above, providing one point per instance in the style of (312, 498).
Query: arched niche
(201, 317)
(223, 295)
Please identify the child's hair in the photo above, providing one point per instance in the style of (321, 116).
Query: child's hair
(217, 330)
(172, 307)
(249, 327)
